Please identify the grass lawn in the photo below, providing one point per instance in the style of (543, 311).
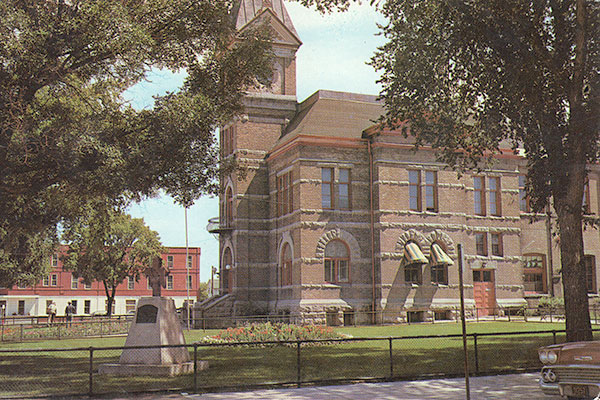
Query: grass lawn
(30, 374)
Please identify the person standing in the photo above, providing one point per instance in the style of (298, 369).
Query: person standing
(51, 312)
(69, 311)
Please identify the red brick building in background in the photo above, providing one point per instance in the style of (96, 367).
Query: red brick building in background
(61, 287)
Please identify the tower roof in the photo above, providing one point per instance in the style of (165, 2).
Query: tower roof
(245, 11)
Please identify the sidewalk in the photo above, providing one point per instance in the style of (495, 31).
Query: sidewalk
(502, 387)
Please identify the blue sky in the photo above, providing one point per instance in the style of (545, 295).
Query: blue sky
(333, 56)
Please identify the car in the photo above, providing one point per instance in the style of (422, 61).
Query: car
(571, 370)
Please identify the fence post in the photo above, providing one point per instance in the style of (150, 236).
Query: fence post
(21, 332)
(475, 348)
(554, 336)
(391, 359)
(101, 328)
(298, 363)
(91, 387)
(195, 367)
(3, 332)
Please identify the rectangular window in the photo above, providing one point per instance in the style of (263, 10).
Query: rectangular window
(169, 262)
(412, 273)
(344, 189)
(189, 282)
(21, 285)
(523, 199)
(87, 285)
(54, 260)
(189, 261)
(74, 303)
(87, 306)
(21, 309)
(586, 197)
(329, 271)
(170, 282)
(46, 281)
(53, 280)
(129, 306)
(495, 196)
(439, 274)
(479, 195)
(148, 284)
(130, 283)
(414, 190)
(534, 273)
(74, 282)
(227, 140)
(496, 244)
(590, 272)
(481, 243)
(337, 270)
(285, 194)
(327, 188)
(431, 191)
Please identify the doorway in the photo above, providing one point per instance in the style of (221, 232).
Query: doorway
(484, 292)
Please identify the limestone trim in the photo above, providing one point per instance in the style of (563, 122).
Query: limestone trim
(415, 236)
(316, 260)
(258, 153)
(342, 235)
(446, 227)
(444, 239)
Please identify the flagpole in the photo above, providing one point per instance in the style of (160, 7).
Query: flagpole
(187, 276)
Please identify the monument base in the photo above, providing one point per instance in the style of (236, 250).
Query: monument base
(155, 324)
(152, 370)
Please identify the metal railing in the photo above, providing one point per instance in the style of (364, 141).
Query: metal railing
(81, 327)
(75, 371)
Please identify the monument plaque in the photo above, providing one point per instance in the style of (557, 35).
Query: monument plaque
(146, 314)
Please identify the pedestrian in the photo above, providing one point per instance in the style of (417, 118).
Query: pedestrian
(69, 311)
(51, 311)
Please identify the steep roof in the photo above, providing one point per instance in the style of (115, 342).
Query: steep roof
(334, 114)
(245, 11)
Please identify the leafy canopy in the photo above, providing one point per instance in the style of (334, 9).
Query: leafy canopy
(66, 134)
(108, 246)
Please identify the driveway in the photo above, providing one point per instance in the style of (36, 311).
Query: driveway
(502, 387)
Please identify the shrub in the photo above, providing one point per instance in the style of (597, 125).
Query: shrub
(273, 332)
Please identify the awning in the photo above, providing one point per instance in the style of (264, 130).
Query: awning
(439, 257)
(413, 254)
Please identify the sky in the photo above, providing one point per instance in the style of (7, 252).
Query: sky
(333, 56)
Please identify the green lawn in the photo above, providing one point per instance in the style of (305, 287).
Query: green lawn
(29, 374)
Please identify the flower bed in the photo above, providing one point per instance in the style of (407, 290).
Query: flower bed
(268, 332)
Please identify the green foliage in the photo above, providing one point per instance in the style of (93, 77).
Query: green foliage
(264, 332)
(107, 246)
(67, 136)
(203, 291)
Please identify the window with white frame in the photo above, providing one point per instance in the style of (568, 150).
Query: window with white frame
(74, 282)
(130, 283)
(169, 262)
(170, 282)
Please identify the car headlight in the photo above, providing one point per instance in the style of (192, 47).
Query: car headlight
(552, 357)
(544, 357)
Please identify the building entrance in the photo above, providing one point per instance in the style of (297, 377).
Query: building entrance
(484, 292)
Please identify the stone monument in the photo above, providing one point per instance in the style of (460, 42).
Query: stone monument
(155, 323)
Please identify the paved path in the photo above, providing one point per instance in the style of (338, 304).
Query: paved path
(505, 387)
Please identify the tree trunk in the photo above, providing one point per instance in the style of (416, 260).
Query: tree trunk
(110, 298)
(574, 277)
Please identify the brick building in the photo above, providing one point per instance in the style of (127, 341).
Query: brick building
(337, 219)
(61, 287)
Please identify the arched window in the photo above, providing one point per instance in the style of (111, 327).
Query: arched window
(337, 262)
(228, 207)
(413, 263)
(225, 274)
(439, 264)
(286, 265)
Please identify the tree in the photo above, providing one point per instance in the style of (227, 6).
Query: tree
(203, 291)
(109, 246)
(468, 75)
(68, 137)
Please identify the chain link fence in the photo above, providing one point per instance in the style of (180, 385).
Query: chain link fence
(100, 327)
(26, 373)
